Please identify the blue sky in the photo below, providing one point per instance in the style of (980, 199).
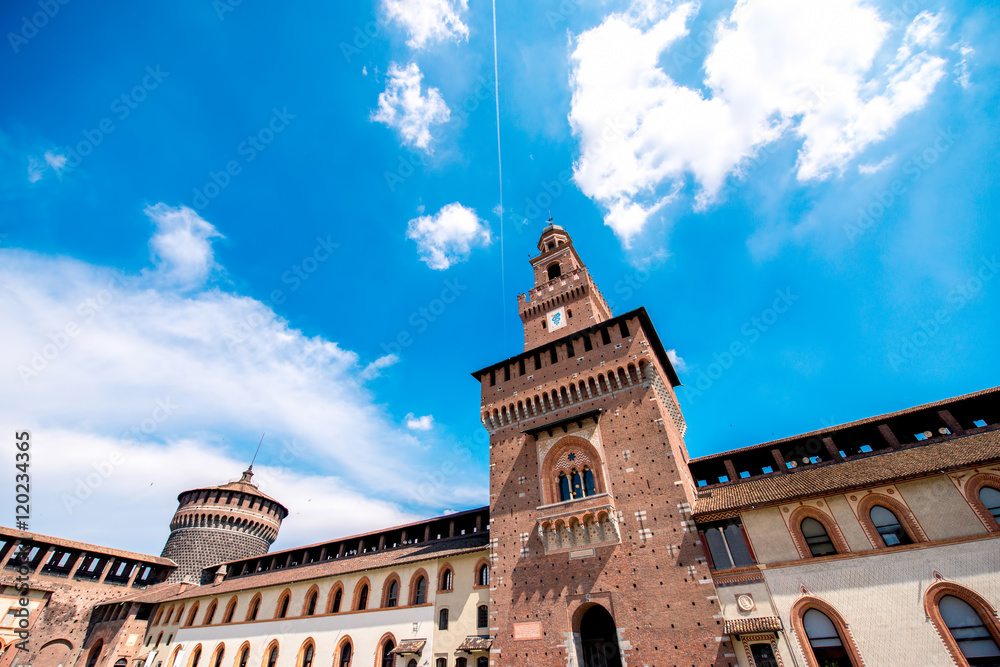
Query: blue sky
(225, 219)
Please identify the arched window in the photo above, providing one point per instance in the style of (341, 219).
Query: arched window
(388, 657)
(441, 662)
(482, 661)
(817, 540)
(483, 575)
(95, 653)
(412, 663)
(311, 603)
(991, 499)
(244, 655)
(121, 662)
(461, 662)
(345, 655)
(589, 488)
(159, 638)
(576, 484)
(483, 616)
(337, 599)
(554, 271)
(970, 632)
(195, 656)
(282, 610)
(363, 598)
(254, 608)
(179, 614)
(824, 640)
(220, 651)
(443, 619)
(170, 611)
(392, 595)
(563, 487)
(230, 610)
(420, 591)
(210, 614)
(447, 579)
(191, 615)
(306, 654)
(888, 526)
(159, 616)
(272, 655)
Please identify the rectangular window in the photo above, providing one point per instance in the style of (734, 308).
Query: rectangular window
(726, 544)
(569, 349)
(605, 336)
(520, 366)
(555, 355)
(587, 345)
(623, 328)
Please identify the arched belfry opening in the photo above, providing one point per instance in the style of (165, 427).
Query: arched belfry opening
(599, 638)
(554, 271)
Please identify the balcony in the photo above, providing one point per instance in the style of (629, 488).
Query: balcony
(578, 524)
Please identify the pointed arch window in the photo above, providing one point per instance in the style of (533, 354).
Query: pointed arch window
(991, 499)
(191, 616)
(392, 597)
(254, 608)
(564, 493)
(817, 539)
(970, 632)
(589, 488)
(447, 580)
(195, 657)
(311, 604)
(388, 657)
(282, 611)
(337, 599)
(824, 640)
(483, 576)
(420, 595)
(210, 614)
(345, 655)
(244, 657)
(363, 598)
(888, 526)
(576, 484)
(272, 655)
(220, 651)
(308, 652)
(230, 610)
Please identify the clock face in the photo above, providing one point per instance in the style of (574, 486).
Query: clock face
(556, 319)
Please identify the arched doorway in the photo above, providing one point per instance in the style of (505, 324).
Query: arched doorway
(599, 638)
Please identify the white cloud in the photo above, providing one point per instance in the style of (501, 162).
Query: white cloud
(777, 68)
(963, 73)
(38, 166)
(679, 364)
(404, 108)
(875, 167)
(181, 246)
(429, 21)
(448, 236)
(424, 423)
(183, 384)
(374, 369)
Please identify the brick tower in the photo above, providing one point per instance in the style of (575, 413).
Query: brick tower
(221, 523)
(596, 560)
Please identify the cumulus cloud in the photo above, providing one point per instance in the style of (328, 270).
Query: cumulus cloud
(429, 21)
(424, 423)
(448, 236)
(777, 68)
(181, 246)
(180, 384)
(875, 167)
(403, 107)
(679, 364)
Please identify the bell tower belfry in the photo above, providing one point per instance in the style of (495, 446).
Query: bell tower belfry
(565, 298)
(594, 557)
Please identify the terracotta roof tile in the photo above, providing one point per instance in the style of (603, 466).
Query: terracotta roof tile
(153, 594)
(475, 643)
(410, 646)
(340, 566)
(739, 626)
(950, 454)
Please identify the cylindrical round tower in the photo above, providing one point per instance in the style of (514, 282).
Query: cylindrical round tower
(221, 523)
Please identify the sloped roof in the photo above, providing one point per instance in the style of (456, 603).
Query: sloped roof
(26, 536)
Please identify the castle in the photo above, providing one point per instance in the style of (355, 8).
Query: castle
(875, 542)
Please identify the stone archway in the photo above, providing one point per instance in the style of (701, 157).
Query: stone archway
(599, 638)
